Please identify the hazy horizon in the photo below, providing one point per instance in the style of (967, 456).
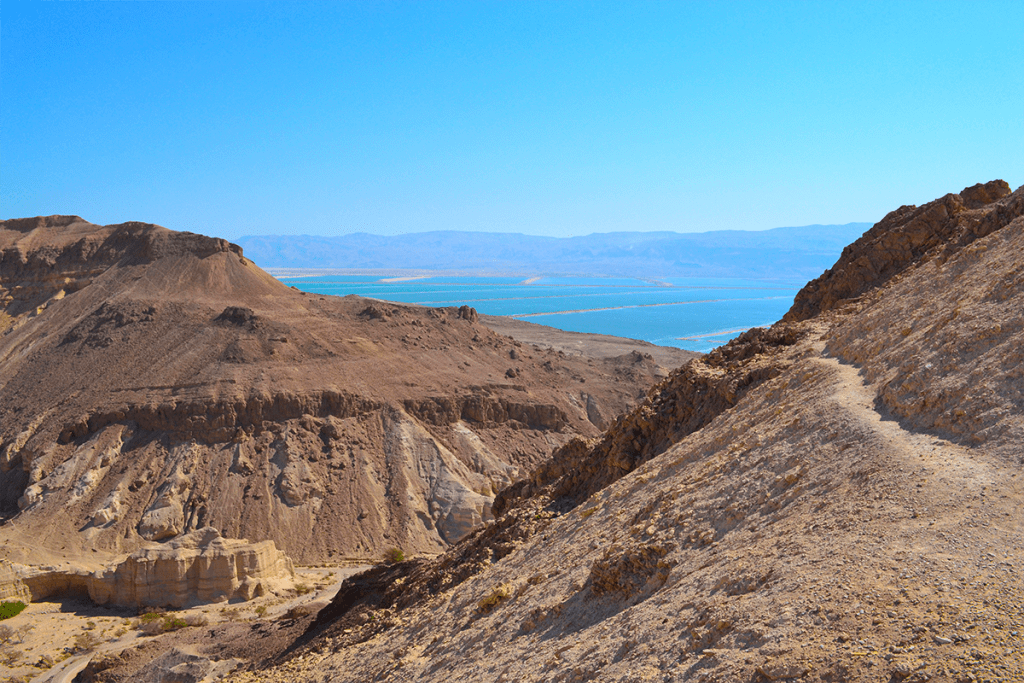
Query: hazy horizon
(582, 235)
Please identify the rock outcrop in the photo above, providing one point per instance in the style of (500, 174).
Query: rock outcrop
(196, 568)
(905, 238)
(11, 585)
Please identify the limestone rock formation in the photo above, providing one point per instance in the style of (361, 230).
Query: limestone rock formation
(198, 567)
(11, 585)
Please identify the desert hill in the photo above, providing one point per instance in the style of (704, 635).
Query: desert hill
(153, 383)
(836, 498)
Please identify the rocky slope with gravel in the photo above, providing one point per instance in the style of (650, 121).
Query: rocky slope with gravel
(837, 498)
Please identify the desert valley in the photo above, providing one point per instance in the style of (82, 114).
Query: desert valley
(206, 474)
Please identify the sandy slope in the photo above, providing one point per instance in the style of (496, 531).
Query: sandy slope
(840, 548)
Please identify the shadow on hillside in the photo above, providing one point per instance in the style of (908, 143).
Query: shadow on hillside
(579, 612)
(84, 607)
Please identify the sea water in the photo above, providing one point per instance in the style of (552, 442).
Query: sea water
(697, 314)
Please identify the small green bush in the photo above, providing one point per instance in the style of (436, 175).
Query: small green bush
(10, 609)
(394, 556)
(152, 623)
(172, 623)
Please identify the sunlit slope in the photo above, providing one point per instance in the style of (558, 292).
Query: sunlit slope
(835, 499)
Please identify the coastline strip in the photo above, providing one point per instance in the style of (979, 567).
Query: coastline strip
(616, 308)
(715, 334)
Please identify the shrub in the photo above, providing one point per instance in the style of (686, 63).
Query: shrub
(173, 623)
(261, 611)
(10, 609)
(86, 642)
(394, 556)
(196, 620)
(152, 623)
(9, 656)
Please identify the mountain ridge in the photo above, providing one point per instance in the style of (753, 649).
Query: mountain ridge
(155, 382)
(801, 252)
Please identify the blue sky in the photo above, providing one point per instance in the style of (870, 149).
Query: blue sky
(243, 118)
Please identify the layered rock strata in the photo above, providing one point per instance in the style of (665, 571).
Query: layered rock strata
(196, 568)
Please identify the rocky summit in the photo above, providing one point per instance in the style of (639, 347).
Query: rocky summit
(835, 498)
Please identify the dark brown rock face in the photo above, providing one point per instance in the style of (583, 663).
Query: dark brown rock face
(903, 238)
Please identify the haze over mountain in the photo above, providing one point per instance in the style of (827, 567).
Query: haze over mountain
(792, 253)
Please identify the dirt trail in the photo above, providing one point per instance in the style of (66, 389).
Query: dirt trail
(963, 470)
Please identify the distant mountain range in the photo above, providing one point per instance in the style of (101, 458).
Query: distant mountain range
(793, 253)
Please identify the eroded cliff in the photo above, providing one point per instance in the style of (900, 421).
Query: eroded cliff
(153, 383)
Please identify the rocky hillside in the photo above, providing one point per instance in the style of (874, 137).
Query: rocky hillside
(153, 383)
(834, 499)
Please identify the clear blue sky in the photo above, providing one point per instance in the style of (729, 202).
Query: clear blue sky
(239, 118)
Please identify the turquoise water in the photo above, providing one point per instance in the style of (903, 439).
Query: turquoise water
(697, 314)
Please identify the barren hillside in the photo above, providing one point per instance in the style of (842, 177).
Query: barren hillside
(154, 382)
(835, 499)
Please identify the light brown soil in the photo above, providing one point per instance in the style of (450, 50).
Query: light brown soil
(586, 345)
(70, 633)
